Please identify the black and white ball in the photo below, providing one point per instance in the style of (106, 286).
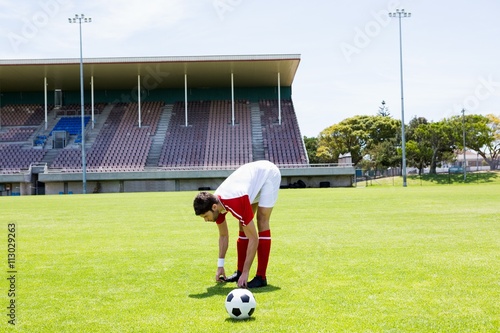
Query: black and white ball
(240, 303)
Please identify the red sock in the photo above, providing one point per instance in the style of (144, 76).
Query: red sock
(241, 247)
(263, 252)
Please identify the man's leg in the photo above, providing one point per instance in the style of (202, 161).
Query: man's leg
(264, 249)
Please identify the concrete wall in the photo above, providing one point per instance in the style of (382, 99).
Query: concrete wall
(14, 188)
(170, 185)
(315, 181)
(178, 180)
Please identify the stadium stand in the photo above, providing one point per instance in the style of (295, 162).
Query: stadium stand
(17, 134)
(41, 146)
(22, 115)
(120, 145)
(282, 143)
(185, 145)
(76, 109)
(209, 140)
(227, 144)
(72, 125)
(15, 157)
(19, 124)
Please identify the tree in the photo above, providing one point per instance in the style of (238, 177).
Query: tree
(383, 110)
(439, 137)
(491, 151)
(383, 154)
(382, 129)
(418, 150)
(348, 136)
(482, 134)
(311, 145)
(412, 126)
(355, 135)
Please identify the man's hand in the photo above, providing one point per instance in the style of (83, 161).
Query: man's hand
(242, 281)
(220, 276)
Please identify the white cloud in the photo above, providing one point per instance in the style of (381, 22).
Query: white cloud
(118, 19)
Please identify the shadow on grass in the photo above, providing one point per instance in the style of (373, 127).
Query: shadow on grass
(449, 178)
(224, 289)
(233, 320)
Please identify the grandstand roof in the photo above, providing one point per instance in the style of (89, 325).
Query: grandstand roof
(156, 72)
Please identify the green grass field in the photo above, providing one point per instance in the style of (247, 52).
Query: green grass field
(374, 259)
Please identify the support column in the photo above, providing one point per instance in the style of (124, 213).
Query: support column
(45, 99)
(186, 99)
(279, 98)
(92, 99)
(139, 97)
(232, 99)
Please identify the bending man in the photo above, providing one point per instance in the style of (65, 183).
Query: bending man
(249, 190)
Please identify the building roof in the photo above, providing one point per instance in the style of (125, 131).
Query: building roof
(156, 72)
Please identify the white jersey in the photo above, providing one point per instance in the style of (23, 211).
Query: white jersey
(252, 182)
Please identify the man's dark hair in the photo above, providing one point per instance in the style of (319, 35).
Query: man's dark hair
(203, 202)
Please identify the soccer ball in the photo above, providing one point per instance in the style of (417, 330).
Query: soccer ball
(240, 303)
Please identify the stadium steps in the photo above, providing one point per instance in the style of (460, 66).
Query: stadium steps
(51, 122)
(50, 156)
(158, 139)
(99, 123)
(257, 140)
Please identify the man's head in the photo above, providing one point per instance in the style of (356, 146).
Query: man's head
(205, 206)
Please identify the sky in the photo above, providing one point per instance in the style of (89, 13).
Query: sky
(349, 50)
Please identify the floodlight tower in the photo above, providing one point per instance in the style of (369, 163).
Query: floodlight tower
(400, 13)
(463, 135)
(82, 19)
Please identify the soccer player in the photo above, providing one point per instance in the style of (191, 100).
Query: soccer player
(250, 190)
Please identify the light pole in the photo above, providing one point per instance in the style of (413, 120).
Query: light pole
(82, 19)
(400, 13)
(463, 134)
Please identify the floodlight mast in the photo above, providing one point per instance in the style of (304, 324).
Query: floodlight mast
(82, 19)
(400, 13)
(465, 156)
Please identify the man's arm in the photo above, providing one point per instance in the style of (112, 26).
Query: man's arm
(253, 242)
(223, 245)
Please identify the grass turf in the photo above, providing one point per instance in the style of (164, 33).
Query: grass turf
(374, 259)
